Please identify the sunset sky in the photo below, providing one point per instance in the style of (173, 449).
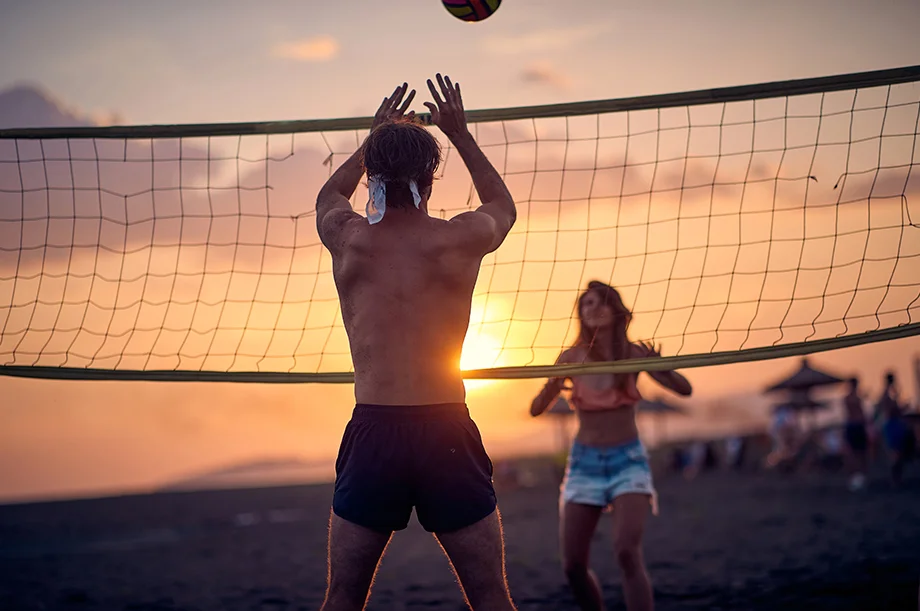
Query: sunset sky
(139, 63)
(236, 60)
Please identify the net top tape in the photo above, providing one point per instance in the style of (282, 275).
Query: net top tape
(826, 84)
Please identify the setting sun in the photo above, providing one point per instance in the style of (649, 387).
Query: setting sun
(480, 351)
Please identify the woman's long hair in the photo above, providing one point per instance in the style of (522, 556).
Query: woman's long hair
(587, 337)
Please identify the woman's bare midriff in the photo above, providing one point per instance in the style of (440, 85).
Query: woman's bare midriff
(607, 427)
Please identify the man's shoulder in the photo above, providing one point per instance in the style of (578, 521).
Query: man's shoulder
(471, 218)
(437, 223)
(337, 227)
(421, 233)
(341, 217)
(429, 238)
(438, 234)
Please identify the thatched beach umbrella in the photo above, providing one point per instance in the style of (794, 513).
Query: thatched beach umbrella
(805, 378)
(799, 385)
(801, 403)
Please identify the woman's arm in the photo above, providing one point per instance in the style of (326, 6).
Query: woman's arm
(546, 396)
(673, 381)
(669, 379)
(550, 390)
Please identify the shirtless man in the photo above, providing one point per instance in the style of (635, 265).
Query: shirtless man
(405, 282)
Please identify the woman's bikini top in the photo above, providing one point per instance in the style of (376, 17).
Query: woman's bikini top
(596, 392)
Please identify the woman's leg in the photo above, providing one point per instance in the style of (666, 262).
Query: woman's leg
(630, 511)
(577, 526)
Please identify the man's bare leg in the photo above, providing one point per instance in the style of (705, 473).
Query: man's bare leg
(354, 554)
(477, 554)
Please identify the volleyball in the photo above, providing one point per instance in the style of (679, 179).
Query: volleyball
(471, 10)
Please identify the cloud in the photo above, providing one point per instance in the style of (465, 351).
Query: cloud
(544, 73)
(319, 49)
(29, 105)
(105, 118)
(553, 39)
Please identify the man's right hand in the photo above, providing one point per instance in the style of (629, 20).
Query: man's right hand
(447, 113)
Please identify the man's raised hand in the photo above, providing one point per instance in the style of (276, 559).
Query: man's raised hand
(393, 107)
(447, 113)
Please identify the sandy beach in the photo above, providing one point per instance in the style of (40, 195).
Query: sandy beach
(725, 540)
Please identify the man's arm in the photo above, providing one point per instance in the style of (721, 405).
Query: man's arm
(494, 218)
(492, 221)
(333, 208)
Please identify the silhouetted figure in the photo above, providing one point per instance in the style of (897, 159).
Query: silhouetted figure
(896, 431)
(856, 435)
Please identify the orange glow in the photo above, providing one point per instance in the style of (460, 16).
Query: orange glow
(480, 351)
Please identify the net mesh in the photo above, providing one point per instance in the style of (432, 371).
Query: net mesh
(726, 226)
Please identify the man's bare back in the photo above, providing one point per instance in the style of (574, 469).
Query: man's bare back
(406, 307)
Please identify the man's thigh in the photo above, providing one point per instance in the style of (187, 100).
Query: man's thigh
(477, 553)
(354, 554)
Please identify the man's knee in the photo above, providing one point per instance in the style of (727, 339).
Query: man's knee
(485, 588)
(484, 584)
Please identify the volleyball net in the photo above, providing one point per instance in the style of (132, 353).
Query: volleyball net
(740, 223)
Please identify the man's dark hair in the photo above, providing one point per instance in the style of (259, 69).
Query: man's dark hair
(400, 151)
